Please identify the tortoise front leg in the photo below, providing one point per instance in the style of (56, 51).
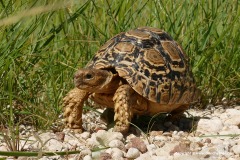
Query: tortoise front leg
(122, 108)
(73, 106)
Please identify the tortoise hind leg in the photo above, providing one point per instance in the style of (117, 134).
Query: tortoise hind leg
(73, 106)
(122, 108)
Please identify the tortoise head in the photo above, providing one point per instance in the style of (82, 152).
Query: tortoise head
(95, 80)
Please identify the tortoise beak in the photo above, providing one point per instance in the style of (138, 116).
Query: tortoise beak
(78, 79)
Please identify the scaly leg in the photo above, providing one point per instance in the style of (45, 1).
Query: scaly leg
(122, 108)
(73, 106)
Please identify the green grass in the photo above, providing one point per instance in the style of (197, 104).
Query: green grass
(44, 42)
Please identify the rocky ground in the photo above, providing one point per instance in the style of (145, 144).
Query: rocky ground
(213, 133)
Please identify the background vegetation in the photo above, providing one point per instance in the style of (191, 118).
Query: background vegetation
(42, 43)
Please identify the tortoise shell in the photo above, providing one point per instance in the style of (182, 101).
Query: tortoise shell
(153, 64)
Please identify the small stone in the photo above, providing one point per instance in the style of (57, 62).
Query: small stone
(176, 137)
(167, 149)
(232, 112)
(237, 108)
(151, 149)
(201, 144)
(187, 157)
(104, 137)
(181, 133)
(54, 145)
(24, 133)
(133, 153)
(219, 111)
(234, 120)
(52, 158)
(147, 156)
(85, 135)
(216, 141)
(60, 136)
(87, 157)
(156, 133)
(236, 149)
(238, 142)
(230, 130)
(137, 143)
(116, 153)
(129, 137)
(207, 140)
(86, 152)
(96, 154)
(22, 128)
(105, 156)
(45, 136)
(73, 142)
(92, 142)
(213, 125)
(181, 147)
(29, 128)
(159, 143)
(167, 134)
(160, 138)
(194, 147)
(3, 148)
(117, 144)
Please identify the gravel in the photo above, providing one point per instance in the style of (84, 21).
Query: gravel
(200, 134)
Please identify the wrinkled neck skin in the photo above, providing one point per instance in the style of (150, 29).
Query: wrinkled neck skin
(96, 80)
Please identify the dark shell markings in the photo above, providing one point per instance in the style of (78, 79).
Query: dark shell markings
(152, 63)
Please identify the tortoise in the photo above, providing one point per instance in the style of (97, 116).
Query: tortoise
(138, 72)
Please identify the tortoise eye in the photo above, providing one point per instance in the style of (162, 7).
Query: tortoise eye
(88, 76)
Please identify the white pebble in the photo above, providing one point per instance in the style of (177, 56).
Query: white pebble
(144, 156)
(3, 148)
(73, 142)
(117, 144)
(86, 152)
(87, 157)
(212, 126)
(29, 128)
(54, 145)
(151, 149)
(117, 153)
(236, 149)
(22, 128)
(129, 137)
(104, 137)
(175, 132)
(92, 142)
(96, 155)
(85, 135)
(234, 120)
(160, 138)
(232, 112)
(133, 153)
(181, 133)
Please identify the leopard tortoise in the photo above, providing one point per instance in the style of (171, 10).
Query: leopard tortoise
(139, 72)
